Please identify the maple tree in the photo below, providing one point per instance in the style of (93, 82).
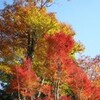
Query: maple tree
(59, 47)
(64, 74)
(24, 79)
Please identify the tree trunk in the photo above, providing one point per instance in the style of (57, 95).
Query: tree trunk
(57, 90)
(39, 91)
(31, 40)
(57, 81)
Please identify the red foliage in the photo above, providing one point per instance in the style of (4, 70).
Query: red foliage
(24, 79)
(78, 81)
(59, 45)
(95, 95)
(65, 69)
(46, 89)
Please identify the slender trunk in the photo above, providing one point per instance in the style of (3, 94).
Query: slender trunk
(39, 91)
(28, 45)
(31, 40)
(57, 81)
(58, 96)
(57, 90)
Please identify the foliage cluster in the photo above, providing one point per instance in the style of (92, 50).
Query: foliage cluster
(37, 55)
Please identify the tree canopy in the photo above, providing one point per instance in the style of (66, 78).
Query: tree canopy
(37, 55)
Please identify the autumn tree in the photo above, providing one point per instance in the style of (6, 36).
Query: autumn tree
(59, 47)
(58, 68)
(91, 66)
(21, 26)
(24, 80)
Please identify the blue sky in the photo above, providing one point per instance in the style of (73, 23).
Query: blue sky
(84, 17)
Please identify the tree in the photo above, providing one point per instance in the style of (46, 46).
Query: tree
(19, 32)
(58, 66)
(24, 80)
(91, 66)
(59, 47)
